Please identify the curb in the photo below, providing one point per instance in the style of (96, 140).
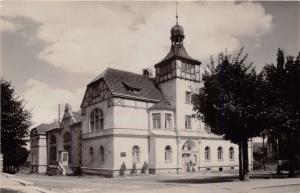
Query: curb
(280, 185)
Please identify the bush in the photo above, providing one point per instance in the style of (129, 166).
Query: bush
(134, 170)
(145, 168)
(123, 169)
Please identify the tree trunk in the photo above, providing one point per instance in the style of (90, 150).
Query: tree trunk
(245, 160)
(292, 157)
(240, 161)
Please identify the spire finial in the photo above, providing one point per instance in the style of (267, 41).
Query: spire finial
(176, 13)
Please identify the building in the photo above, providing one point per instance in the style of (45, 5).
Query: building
(64, 143)
(135, 119)
(38, 149)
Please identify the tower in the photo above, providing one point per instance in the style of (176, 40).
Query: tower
(177, 63)
(177, 74)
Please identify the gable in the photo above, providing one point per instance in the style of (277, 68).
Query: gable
(96, 92)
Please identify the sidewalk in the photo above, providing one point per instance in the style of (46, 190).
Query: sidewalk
(11, 184)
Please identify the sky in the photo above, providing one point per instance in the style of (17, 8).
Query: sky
(50, 51)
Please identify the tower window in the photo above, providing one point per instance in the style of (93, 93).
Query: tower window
(188, 68)
(188, 120)
(156, 120)
(188, 97)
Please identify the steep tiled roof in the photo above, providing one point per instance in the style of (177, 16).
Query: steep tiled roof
(128, 84)
(164, 104)
(43, 127)
(178, 51)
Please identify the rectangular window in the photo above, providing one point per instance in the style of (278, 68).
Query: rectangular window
(188, 97)
(188, 124)
(168, 121)
(188, 68)
(156, 120)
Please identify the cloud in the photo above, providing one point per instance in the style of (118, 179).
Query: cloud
(87, 37)
(7, 26)
(43, 99)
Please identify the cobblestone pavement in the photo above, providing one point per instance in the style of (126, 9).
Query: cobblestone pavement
(191, 183)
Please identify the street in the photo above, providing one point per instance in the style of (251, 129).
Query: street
(204, 183)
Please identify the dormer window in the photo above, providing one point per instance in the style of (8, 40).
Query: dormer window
(131, 88)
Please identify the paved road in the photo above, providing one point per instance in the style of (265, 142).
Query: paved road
(202, 183)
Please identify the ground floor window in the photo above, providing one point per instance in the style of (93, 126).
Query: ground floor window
(136, 153)
(101, 154)
(168, 153)
(207, 153)
(231, 153)
(220, 153)
(53, 153)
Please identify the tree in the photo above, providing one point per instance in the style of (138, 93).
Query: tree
(282, 86)
(230, 103)
(15, 121)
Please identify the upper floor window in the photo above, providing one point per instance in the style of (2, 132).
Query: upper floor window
(188, 122)
(156, 120)
(136, 153)
(168, 153)
(220, 153)
(168, 121)
(231, 153)
(52, 139)
(207, 153)
(101, 151)
(188, 68)
(67, 137)
(96, 120)
(188, 97)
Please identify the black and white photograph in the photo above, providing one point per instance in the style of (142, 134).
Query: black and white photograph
(150, 96)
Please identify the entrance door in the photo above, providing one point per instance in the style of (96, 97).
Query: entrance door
(186, 162)
(64, 158)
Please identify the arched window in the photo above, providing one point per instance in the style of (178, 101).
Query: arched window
(168, 153)
(207, 153)
(231, 153)
(101, 151)
(91, 154)
(67, 137)
(52, 139)
(220, 153)
(96, 120)
(136, 153)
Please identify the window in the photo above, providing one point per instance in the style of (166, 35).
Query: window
(168, 121)
(101, 151)
(168, 154)
(220, 153)
(188, 122)
(67, 137)
(135, 154)
(188, 97)
(231, 153)
(96, 120)
(188, 68)
(207, 153)
(156, 120)
(91, 154)
(52, 139)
